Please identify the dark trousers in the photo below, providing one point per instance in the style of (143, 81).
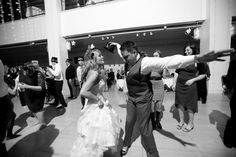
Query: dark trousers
(58, 93)
(50, 93)
(72, 88)
(140, 112)
(202, 90)
(5, 114)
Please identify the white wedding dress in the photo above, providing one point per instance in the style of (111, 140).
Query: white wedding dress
(98, 129)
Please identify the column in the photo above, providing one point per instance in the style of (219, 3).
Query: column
(56, 43)
(215, 35)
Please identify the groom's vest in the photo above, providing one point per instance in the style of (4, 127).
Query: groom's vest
(139, 85)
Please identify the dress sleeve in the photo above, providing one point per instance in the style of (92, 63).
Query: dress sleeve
(41, 80)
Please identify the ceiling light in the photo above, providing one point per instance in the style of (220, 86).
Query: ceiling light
(196, 33)
(188, 31)
(193, 33)
(68, 45)
(73, 43)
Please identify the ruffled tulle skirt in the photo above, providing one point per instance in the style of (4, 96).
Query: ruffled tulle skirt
(98, 130)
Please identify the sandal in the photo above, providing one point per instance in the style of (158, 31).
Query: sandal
(124, 150)
(180, 126)
(188, 128)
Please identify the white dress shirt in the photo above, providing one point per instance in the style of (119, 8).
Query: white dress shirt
(149, 64)
(79, 73)
(57, 73)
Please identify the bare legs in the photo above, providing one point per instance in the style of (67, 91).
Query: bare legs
(190, 124)
(40, 116)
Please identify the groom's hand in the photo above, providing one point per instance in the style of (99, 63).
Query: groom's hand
(215, 56)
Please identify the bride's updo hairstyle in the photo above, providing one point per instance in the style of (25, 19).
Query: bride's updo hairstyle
(90, 61)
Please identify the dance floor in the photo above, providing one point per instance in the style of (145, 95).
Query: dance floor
(205, 140)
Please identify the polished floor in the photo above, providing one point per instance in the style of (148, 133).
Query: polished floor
(205, 140)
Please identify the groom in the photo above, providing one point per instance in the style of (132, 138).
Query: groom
(140, 88)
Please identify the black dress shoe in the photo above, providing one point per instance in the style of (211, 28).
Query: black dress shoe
(53, 104)
(42, 126)
(64, 105)
(158, 125)
(11, 136)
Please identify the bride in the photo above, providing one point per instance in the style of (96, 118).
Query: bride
(98, 126)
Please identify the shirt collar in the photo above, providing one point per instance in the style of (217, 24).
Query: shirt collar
(138, 57)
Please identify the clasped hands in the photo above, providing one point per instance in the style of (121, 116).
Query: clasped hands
(22, 86)
(102, 101)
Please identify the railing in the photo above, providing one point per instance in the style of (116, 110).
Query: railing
(70, 4)
(11, 10)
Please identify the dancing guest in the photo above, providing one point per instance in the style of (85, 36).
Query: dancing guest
(35, 91)
(98, 126)
(58, 82)
(12, 92)
(158, 94)
(140, 89)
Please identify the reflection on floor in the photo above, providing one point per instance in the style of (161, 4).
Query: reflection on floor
(205, 140)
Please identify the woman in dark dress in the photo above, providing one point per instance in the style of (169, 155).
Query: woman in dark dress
(186, 90)
(35, 91)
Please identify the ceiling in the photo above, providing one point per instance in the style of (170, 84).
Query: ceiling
(147, 40)
(143, 38)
